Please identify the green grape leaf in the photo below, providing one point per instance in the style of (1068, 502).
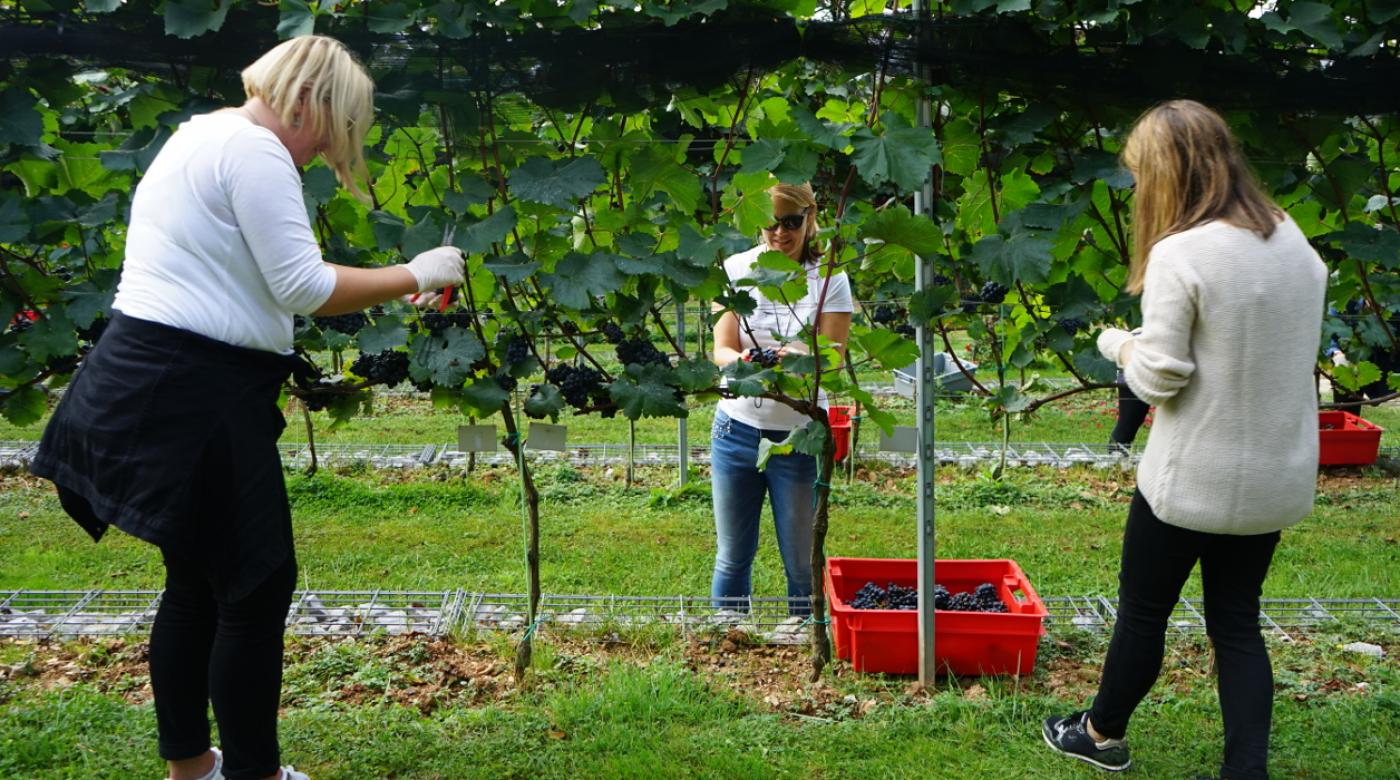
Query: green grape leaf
(896, 225)
(1380, 245)
(14, 218)
(320, 184)
(470, 191)
(479, 237)
(747, 379)
(1356, 376)
(542, 181)
(1024, 256)
(930, 303)
(817, 131)
(763, 155)
(295, 18)
(90, 298)
(101, 6)
(1315, 21)
(444, 360)
(20, 122)
(577, 278)
(49, 337)
(1094, 165)
(189, 18)
(646, 391)
(137, 151)
(544, 401)
(810, 439)
(25, 406)
(1094, 366)
(1382, 11)
(888, 349)
(386, 332)
(389, 17)
(388, 229)
(901, 154)
(799, 164)
(512, 268)
(654, 168)
(485, 396)
(696, 374)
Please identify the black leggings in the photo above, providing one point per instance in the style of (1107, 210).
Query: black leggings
(230, 653)
(1132, 411)
(1157, 559)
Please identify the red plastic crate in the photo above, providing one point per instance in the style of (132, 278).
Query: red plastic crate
(967, 643)
(840, 417)
(1345, 439)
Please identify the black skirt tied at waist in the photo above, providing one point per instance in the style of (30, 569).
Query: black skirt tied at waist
(172, 437)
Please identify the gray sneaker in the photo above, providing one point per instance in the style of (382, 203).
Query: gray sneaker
(1070, 735)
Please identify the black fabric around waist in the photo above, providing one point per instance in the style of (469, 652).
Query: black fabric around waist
(172, 437)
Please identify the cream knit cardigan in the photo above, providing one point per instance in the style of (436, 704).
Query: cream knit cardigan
(1230, 335)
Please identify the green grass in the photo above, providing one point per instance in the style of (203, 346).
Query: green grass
(623, 719)
(440, 530)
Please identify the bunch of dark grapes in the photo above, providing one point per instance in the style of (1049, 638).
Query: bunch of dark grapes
(939, 280)
(349, 324)
(576, 383)
(569, 327)
(905, 329)
(388, 368)
(1071, 325)
(517, 350)
(436, 322)
(983, 599)
(884, 315)
(507, 382)
(992, 293)
(612, 332)
(94, 331)
(764, 357)
(20, 324)
(640, 352)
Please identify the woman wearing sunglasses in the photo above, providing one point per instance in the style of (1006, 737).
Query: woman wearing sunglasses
(737, 485)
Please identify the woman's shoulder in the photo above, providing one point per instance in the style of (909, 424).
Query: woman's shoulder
(743, 261)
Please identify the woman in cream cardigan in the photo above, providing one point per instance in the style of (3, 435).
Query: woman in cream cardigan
(1232, 303)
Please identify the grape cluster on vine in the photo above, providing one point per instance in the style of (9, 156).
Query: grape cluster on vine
(436, 322)
(886, 314)
(766, 358)
(517, 350)
(388, 368)
(349, 324)
(612, 332)
(1071, 325)
(578, 384)
(94, 330)
(993, 293)
(640, 352)
(983, 598)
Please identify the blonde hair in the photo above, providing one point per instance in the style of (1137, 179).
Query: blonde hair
(338, 98)
(1188, 170)
(801, 196)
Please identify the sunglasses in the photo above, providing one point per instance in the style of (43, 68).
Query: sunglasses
(790, 222)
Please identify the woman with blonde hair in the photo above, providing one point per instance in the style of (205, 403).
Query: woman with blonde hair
(1232, 304)
(169, 428)
(773, 330)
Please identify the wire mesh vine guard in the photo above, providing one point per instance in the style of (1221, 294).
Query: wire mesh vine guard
(67, 614)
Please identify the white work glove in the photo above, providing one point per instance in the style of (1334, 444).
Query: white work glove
(1111, 342)
(423, 300)
(437, 268)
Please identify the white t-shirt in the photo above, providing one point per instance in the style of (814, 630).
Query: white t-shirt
(219, 242)
(775, 324)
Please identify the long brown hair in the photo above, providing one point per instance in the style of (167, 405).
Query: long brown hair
(1188, 170)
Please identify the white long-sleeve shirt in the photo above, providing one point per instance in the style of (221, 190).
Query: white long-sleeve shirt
(219, 242)
(1230, 333)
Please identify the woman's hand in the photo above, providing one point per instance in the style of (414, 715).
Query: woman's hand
(423, 300)
(437, 268)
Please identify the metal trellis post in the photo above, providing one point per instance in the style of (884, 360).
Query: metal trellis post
(682, 436)
(924, 397)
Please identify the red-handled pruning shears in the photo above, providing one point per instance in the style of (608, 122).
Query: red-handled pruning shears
(447, 235)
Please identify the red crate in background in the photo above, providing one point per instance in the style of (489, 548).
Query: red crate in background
(840, 417)
(968, 643)
(1345, 439)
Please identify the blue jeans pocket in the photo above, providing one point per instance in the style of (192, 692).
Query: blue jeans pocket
(722, 426)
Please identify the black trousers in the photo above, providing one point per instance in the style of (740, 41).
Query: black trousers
(230, 653)
(1132, 411)
(1157, 558)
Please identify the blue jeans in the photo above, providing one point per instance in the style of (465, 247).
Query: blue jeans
(738, 487)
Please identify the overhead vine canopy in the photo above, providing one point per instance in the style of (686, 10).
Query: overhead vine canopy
(599, 156)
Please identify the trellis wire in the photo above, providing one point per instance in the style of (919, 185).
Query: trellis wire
(65, 614)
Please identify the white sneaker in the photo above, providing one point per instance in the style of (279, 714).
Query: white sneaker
(288, 773)
(217, 773)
